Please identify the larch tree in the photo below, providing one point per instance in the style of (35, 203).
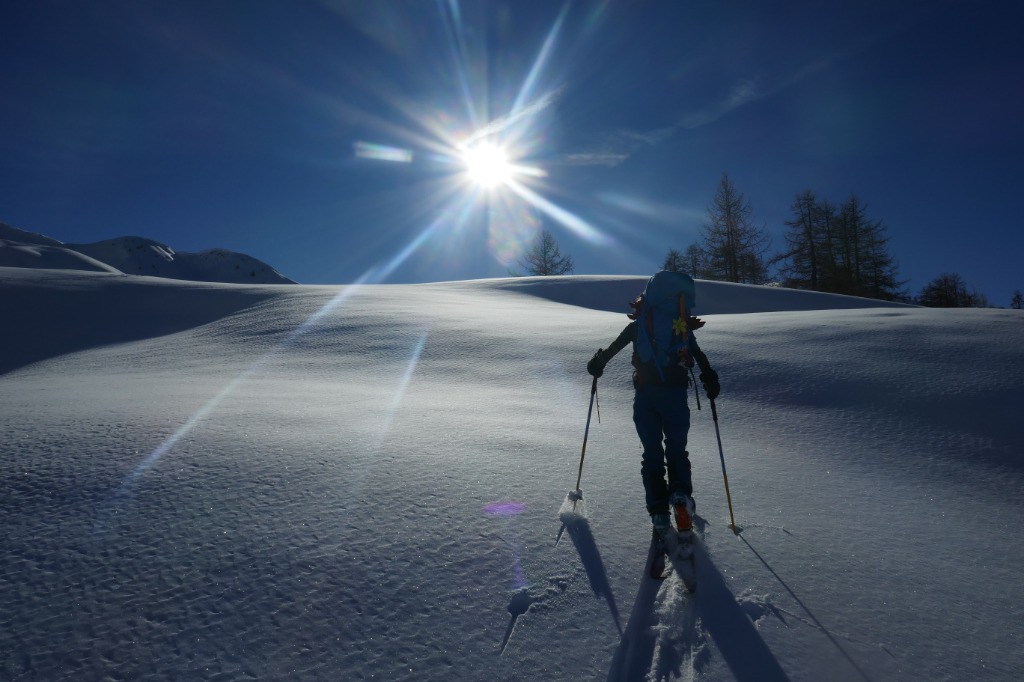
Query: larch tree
(695, 260)
(734, 246)
(802, 262)
(948, 290)
(838, 249)
(545, 258)
(674, 261)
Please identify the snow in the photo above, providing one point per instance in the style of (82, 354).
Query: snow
(223, 481)
(133, 256)
(15, 254)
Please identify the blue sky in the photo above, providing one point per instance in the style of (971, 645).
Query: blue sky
(323, 137)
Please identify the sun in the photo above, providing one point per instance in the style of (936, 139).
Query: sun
(487, 165)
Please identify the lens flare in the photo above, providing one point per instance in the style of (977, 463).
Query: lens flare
(380, 152)
(505, 508)
(512, 226)
(508, 510)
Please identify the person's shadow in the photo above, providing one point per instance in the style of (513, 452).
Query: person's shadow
(709, 614)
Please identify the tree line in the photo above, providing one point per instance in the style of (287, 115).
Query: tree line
(830, 247)
(836, 248)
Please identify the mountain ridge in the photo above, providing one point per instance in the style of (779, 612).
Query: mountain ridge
(133, 255)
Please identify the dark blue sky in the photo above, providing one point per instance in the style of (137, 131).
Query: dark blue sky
(252, 126)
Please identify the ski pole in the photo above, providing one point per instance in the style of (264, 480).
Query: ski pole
(583, 453)
(725, 476)
(695, 391)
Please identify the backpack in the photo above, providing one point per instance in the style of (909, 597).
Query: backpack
(661, 315)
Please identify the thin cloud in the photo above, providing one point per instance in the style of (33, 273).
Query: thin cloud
(741, 94)
(614, 148)
(665, 213)
(748, 91)
(594, 158)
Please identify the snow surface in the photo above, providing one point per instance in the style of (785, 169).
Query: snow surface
(212, 481)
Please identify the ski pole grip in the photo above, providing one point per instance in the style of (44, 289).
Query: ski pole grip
(714, 412)
(593, 386)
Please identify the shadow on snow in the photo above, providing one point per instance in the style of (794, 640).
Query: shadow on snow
(668, 627)
(579, 531)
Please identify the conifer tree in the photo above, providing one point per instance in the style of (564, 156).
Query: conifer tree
(840, 250)
(867, 268)
(674, 261)
(948, 290)
(803, 260)
(545, 258)
(734, 246)
(695, 260)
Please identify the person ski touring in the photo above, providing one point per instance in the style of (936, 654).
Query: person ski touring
(664, 351)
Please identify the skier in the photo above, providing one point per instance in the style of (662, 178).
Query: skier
(661, 412)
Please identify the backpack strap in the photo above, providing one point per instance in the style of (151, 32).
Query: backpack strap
(684, 332)
(645, 333)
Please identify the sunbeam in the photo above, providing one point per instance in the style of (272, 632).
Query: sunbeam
(125, 489)
(457, 44)
(540, 62)
(578, 225)
(403, 384)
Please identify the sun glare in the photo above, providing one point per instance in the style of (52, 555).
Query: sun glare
(484, 157)
(487, 165)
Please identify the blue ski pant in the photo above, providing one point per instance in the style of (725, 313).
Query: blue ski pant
(662, 415)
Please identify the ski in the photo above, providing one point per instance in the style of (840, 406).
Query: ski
(683, 559)
(658, 567)
(683, 552)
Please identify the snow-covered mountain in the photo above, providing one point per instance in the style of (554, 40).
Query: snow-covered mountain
(133, 256)
(363, 482)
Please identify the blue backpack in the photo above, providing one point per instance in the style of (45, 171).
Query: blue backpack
(661, 314)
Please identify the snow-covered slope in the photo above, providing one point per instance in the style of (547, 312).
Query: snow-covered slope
(23, 249)
(14, 234)
(614, 294)
(140, 256)
(133, 256)
(22, 255)
(51, 313)
(365, 482)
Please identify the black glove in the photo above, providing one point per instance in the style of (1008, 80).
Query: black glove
(709, 378)
(596, 365)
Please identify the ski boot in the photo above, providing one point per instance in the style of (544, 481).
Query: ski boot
(659, 545)
(683, 509)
